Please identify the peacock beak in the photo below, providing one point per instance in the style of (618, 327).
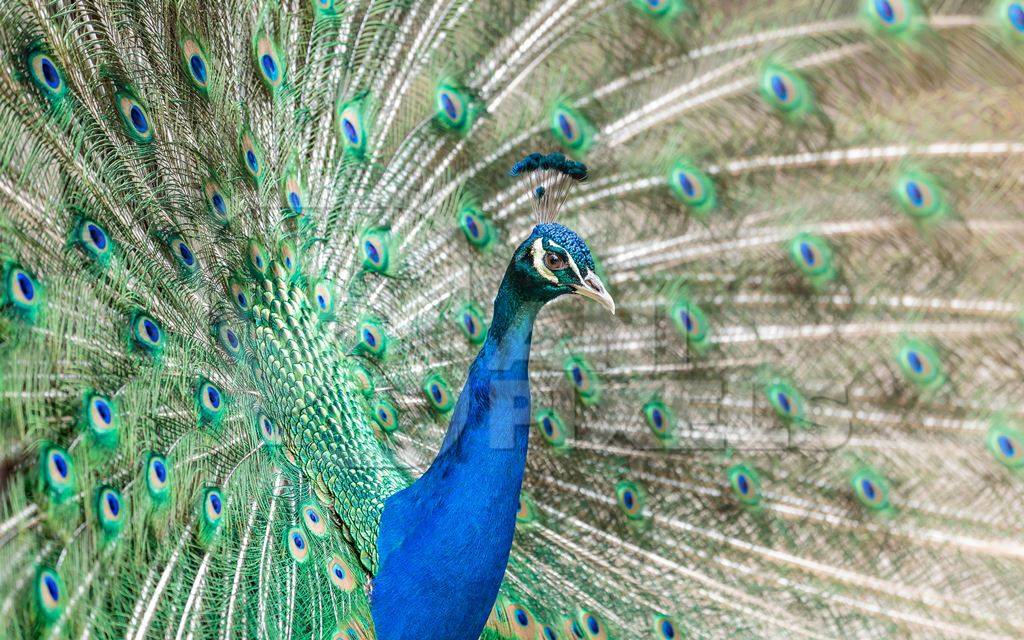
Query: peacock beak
(593, 288)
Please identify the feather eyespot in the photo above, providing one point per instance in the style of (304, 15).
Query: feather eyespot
(251, 156)
(101, 413)
(340, 574)
(438, 394)
(691, 186)
(352, 630)
(471, 323)
(239, 295)
(745, 484)
(211, 400)
(453, 108)
(1007, 448)
(551, 427)
(134, 116)
(476, 227)
(871, 489)
(571, 129)
(660, 419)
(314, 520)
(58, 471)
(657, 7)
(449, 107)
(288, 257)
(183, 255)
(93, 240)
(566, 126)
(229, 341)
(217, 201)
(630, 499)
(787, 402)
(376, 247)
(1014, 16)
(892, 17)
(46, 75)
(663, 11)
(100, 420)
(213, 505)
(49, 593)
(920, 196)
(25, 289)
(292, 194)
(385, 415)
(352, 127)
(23, 294)
(363, 379)
(110, 507)
(920, 363)
(691, 323)
(258, 260)
(526, 513)
(813, 256)
(195, 64)
(1006, 445)
(586, 626)
(298, 546)
(147, 334)
(524, 626)
(321, 297)
(324, 7)
(371, 338)
(158, 477)
(665, 627)
(583, 379)
(782, 89)
(786, 91)
(269, 432)
(269, 62)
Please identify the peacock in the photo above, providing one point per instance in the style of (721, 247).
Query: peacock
(511, 319)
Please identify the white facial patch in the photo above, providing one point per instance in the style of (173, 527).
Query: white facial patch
(538, 261)
(575, 269)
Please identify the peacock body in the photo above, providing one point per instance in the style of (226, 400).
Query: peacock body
(248, 251)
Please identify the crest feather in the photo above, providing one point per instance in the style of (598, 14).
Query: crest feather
(550, 178)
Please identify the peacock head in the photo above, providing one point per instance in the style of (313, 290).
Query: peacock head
(555, 261)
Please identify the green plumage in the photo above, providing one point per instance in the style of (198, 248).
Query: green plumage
(247, 253)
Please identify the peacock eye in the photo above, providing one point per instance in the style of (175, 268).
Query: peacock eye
(554, 261)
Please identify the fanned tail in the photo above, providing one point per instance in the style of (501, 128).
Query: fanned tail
(244, 254)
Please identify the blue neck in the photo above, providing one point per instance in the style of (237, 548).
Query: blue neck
(503, 362)
(508, 339)
(456, 523)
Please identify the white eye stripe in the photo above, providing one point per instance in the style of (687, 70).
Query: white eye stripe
(575, 269)
(538, 261)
